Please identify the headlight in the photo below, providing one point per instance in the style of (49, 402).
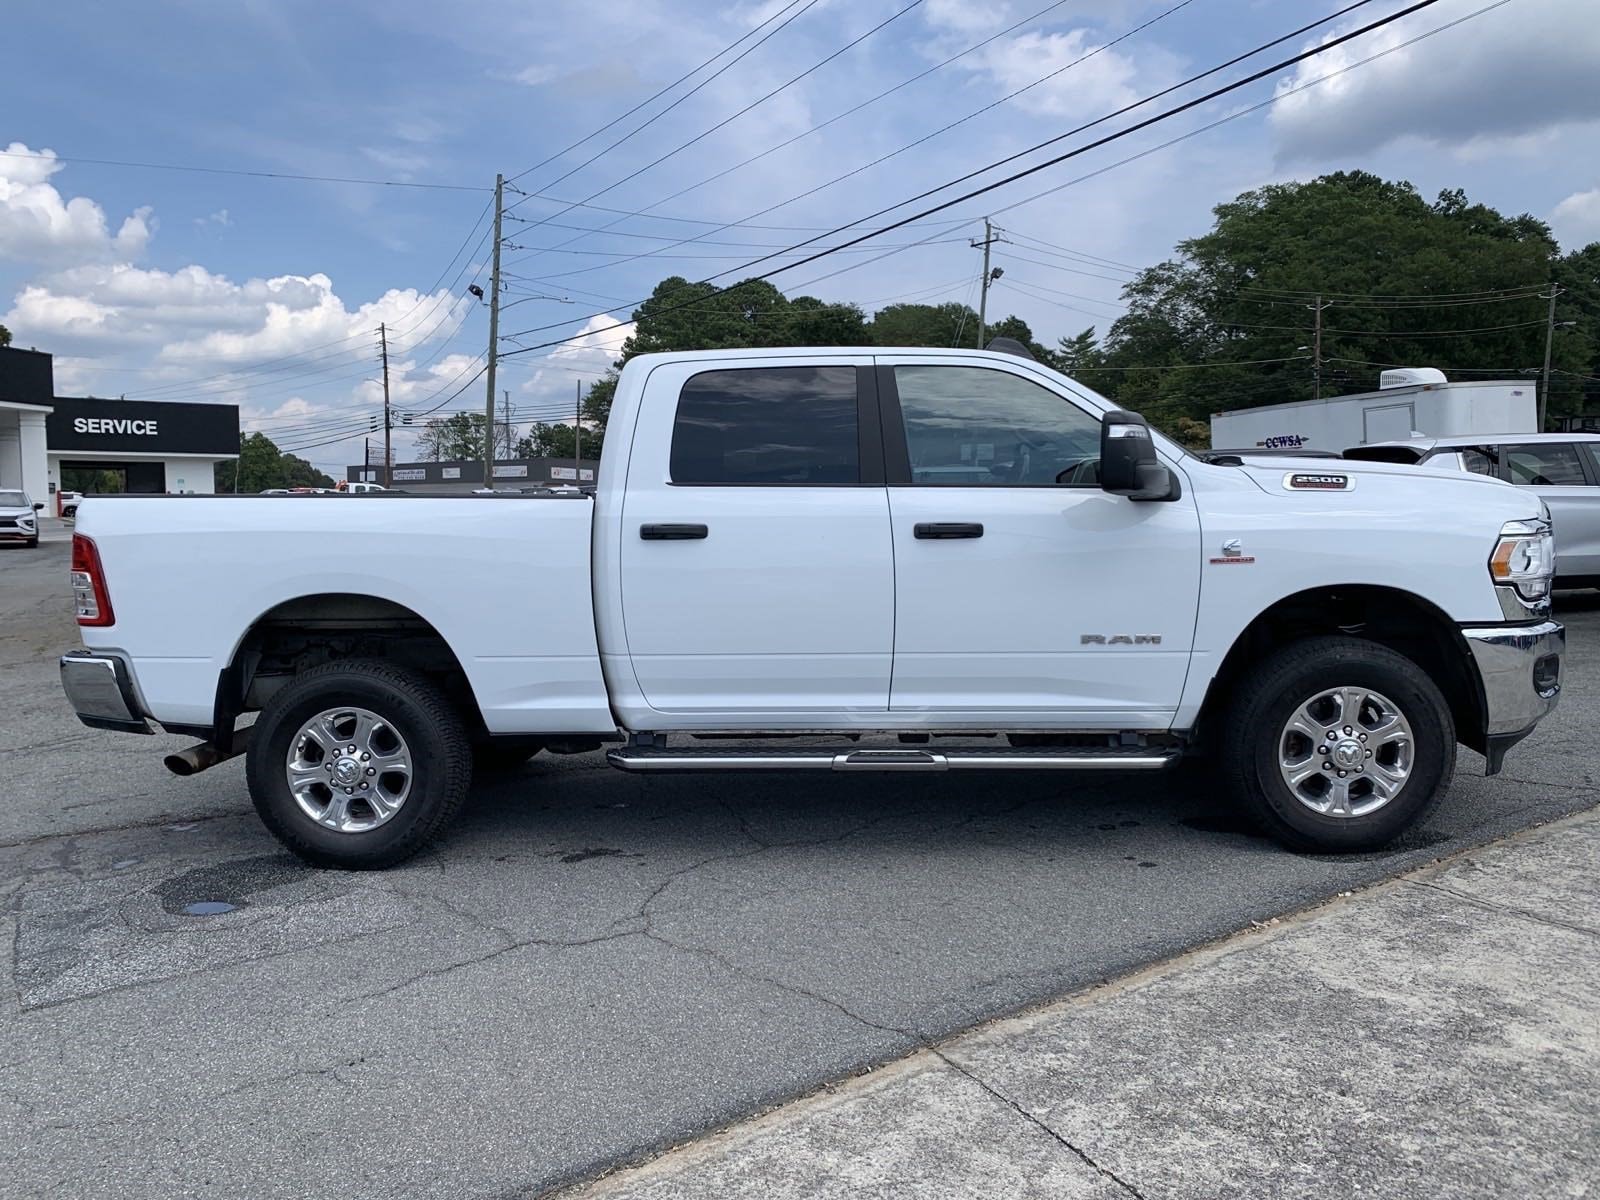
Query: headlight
(1525, 558)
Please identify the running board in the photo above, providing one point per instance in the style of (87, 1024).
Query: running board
(979, 758)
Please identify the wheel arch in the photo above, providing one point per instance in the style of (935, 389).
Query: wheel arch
(1403, 621)
(309, 630)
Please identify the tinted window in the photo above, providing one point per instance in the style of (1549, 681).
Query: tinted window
(1481, 462)
(970, 425)
(1592, 449)
(767, 425)
(1547, 465)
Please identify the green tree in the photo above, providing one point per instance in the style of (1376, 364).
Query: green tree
(5, 336)
(459, 437)
(949, 324)
(559, 441)
(1375, 251)
(1576, 387)
(261, 465)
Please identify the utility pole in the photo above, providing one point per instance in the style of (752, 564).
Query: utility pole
(388, 460)
(366, 458)
(494, 338)
(989, 239)
(577, 430)
(1549, 341)
(1316, 345)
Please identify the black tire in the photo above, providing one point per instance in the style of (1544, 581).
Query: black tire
(504, 753)
(1251, 742)
(432, 729)
(32, 543)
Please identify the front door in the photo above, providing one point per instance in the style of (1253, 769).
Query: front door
(1566, 476)
(1021, 588)
(757, 574)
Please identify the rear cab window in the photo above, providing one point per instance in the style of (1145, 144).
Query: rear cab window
(767, 427)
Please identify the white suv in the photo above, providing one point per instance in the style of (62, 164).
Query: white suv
(19, 518)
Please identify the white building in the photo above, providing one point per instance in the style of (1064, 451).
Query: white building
(52, 443)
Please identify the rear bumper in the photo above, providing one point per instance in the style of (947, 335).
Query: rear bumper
(101, 691)
(1520, 669)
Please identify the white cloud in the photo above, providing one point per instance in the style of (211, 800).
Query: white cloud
(1516, 70)
(220, 218)
(1576, 220)
(965, 16)
(1068, 74)
(38, 225)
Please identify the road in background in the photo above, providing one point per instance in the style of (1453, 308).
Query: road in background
(593, 965)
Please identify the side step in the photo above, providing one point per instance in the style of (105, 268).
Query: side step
(823, 758)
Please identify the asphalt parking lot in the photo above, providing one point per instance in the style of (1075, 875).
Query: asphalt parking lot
(594, 965)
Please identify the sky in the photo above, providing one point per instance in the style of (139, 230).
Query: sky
(268, 292)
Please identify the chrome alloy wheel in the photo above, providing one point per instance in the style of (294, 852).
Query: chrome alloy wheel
(1346, 752)
(349, 770)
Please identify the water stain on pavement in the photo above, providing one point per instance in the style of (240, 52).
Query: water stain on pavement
(589, 852)
(232, 883)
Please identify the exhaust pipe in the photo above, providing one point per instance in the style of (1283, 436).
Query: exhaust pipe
(205, 756)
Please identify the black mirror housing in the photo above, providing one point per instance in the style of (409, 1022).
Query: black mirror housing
(1128, 463)
(37, 507)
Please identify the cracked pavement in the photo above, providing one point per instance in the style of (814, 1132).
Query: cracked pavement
(593, 966)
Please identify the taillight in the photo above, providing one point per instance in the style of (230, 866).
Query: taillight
(89, 596)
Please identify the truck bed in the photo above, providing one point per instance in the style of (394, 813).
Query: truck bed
(504, 580)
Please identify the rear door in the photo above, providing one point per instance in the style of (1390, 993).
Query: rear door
(1021, 587)
(756, 569)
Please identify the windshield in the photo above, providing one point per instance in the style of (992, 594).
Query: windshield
(13, 500)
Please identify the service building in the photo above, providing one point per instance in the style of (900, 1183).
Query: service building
(51, 443)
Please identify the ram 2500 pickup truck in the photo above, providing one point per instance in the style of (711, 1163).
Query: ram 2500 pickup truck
(836, 560)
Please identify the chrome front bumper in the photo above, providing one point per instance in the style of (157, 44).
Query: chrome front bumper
(100, 689)
(1520, 667)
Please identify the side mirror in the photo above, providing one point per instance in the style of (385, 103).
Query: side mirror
(1128, 463)
(38, 507)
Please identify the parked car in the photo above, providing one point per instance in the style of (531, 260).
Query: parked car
(19, 518)
(761, 560)
(67, 504)
(1562, 469)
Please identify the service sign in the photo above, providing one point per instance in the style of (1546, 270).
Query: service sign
(410, 474)
(142, 427)
(511, 470)
(563, 472)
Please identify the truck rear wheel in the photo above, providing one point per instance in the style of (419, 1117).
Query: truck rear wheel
(1338, 744)
(358, 764)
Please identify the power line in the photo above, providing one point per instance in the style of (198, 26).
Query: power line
(977, 112)
(852, 111)
(660, 92)
(1110, 262)
(784, 86)
(1165, 115)
(151, 166)
(1034, 262)
(750, 49)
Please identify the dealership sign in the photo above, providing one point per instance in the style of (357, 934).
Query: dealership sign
(104, 427)
(114, 425)
(410, 474)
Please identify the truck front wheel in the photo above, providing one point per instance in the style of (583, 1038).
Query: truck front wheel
(1337, 744)
(358, 764)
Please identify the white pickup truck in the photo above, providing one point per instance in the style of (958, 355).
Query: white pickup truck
(836, 560)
